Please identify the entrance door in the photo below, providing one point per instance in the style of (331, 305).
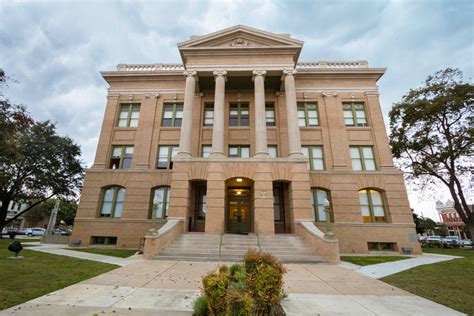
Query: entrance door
(238, 210)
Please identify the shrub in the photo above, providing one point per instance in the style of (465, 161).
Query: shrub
(239, 303)
(264, 280)
(215, 289)
(237, 276)
(200, 306)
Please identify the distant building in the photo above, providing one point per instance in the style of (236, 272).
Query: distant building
(13, 209)
(450, 218)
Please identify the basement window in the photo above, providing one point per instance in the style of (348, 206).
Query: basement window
(381, 246)
(103, 240)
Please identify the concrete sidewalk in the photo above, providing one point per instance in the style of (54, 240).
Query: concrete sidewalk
(381, 270)
(169, 288)
(59, 249)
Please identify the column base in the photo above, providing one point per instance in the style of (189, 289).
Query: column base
(261, 155)
(184, 154)
(217, 155)
(295, 155)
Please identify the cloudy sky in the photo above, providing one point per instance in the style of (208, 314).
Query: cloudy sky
(55, 49)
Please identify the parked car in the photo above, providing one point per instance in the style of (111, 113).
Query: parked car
(452, 241)
(422, 240)
(466, 242)
(434, 239)
(22, 231)
(35, 231)
(62, 231)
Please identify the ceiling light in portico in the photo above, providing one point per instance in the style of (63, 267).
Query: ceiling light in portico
(239, 179)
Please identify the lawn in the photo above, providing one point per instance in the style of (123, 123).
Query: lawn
(368, 260)
(121, 253)
(450, 283)
(40, 273)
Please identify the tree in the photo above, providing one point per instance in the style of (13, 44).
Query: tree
(67, 211)
(431, 135)
(423, 224)
(36, 164)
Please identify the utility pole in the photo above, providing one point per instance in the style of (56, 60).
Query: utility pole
(52, 218)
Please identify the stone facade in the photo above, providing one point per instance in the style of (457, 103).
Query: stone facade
(242, 65)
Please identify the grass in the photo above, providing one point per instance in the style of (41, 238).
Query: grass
(368, 260)
(121, 253)
(450, 283)
(40, 273)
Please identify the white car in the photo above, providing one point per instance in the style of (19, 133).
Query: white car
(432, 239)
(35, 231)
(466, 242)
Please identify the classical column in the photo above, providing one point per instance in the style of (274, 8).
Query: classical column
(260, 122)
(218, 125)
(187, 123)
(294, 138)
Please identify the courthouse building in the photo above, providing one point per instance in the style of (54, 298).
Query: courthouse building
(244, 138)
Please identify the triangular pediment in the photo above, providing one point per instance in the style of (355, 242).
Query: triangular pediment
(240, 36)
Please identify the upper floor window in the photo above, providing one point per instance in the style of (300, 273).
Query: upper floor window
(272, 151)
(172, 115)
(112, 202)
(121, 157)
(315, 155)
(160, 202)
(354, 114)
(206, 151)
(129, 114)
(317, 201)
(239, 151)
(209, 114)
(165, 154)
(307, 114)
(362, 158)
(270, 114)
(239, 114)
(371, 206)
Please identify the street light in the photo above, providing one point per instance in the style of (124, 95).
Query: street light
(327, 209)
(153, 230)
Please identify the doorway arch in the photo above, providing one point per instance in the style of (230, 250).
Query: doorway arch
(239, 206)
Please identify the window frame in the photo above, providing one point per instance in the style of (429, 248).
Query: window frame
(354, 114)
(315, 204)
(371, 205)
(239, 113)
(166, 201)
(202, 150)
(122, 156)
(169, 162)
(174, 105)
(208, 107)
(276, 151)
(129, 114)
(362, 158)
(270, 106)
(303, 106)
(116, 189)
(239, 151)
(311, 158)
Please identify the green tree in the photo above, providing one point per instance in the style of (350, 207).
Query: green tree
(36, 164)
(423, 224)
(66, 213)
(431, 134)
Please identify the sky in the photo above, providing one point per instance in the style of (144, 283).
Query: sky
(56, 49)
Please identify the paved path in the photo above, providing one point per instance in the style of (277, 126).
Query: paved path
(169, 288)
(58, 249)
(381, 270)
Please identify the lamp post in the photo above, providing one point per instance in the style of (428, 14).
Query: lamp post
(153, 230)
(327, 209)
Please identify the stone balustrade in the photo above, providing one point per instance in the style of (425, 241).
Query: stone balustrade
(149, 67)
(332, 64)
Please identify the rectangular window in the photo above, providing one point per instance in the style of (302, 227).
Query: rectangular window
(354, 114)
(206, 151)
(103, 240)
(362, 158)
(239, 114)
(270, 114)
(308, 114)
(239, 151)
(273, 151)
(209, 114)
(165, 154)
(172, 115)
(121, 157)
(315, 155)
(381, 246)
(129, 114)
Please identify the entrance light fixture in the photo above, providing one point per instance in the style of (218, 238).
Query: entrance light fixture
(239, 179)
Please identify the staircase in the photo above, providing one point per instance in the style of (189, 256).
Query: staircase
(229, 247)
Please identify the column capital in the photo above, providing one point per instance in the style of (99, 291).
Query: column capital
(219, 73)
(288, 72)
(258, 72)
(190, 73)
(329, 94)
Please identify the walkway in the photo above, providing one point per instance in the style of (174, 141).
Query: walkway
(58, 249)
(169, 288)
(381, 270)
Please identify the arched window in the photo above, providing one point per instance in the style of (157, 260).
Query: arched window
(318, 196)
(371, 206)
(112, 202)
(160, 202)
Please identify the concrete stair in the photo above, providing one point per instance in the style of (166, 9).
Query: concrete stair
(230, 247)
